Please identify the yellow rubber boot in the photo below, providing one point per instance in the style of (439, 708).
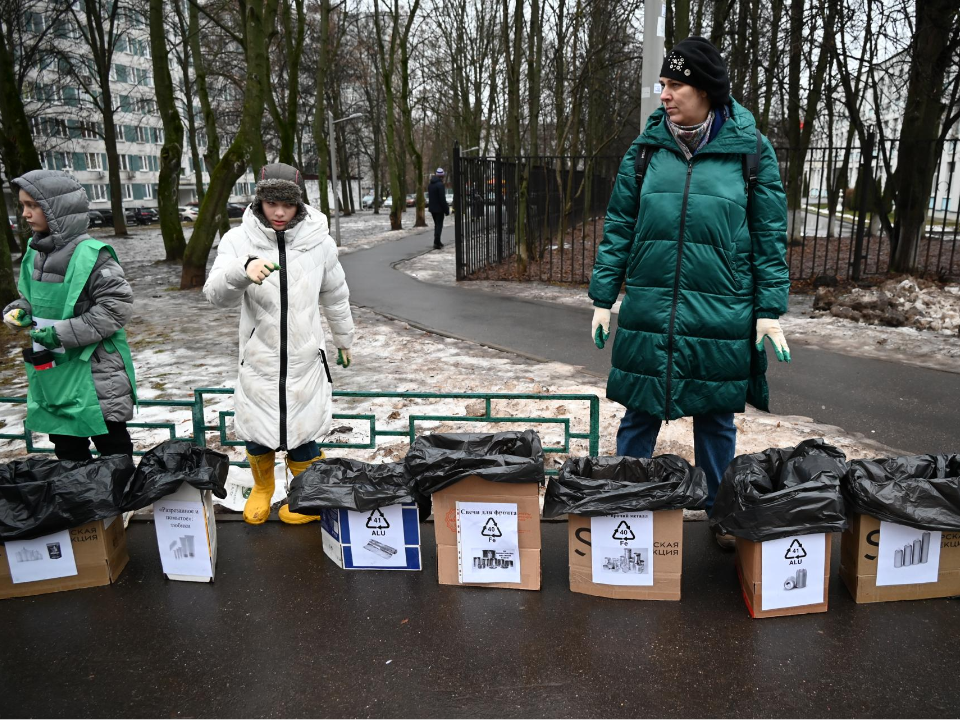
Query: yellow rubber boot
(257, 509)
(286, 514)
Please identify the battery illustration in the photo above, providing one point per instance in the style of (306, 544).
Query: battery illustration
(925, 552)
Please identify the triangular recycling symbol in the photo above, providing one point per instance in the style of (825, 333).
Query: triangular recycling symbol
(623, 532)
(795, 551)
(491, 529)
(377, 520)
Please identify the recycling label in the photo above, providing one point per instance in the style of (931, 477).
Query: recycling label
(376, 537)
(792, 570)
(488, 542)
(622, 548)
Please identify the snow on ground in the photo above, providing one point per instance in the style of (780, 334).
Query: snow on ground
(180, 342)
(924, 348)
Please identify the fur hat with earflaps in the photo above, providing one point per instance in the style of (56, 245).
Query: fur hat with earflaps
(279, 182)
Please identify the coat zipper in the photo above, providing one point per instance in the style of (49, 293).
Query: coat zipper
(676, 288)
(283, 339)
(326, 368)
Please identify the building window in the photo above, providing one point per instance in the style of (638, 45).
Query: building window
(143, 134)
(124, 162)
(148, 192)
(128, 192)
(98, 193)
(33, 22)
(90, 130)
(93, 161)
(118, 132)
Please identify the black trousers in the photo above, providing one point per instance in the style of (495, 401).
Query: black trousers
(437, 228)
(115, 442)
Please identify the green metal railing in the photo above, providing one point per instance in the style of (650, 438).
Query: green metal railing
(200, 427)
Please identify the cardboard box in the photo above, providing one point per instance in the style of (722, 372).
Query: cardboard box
(667, 560)
(750, 567)
(187, 534)
(859, 551)
(384, 539)
(99, 550)
(524, 497)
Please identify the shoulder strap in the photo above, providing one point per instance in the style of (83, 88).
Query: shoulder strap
(642, 161)
(751, 167)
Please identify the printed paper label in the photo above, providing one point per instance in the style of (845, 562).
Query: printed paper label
(182, 537)
(661, 26)
(622, 547)
(657, 88)
(43, 558)
(488, 543)
(792, 570)
(376, 537)
(645, 93)
(906, 555)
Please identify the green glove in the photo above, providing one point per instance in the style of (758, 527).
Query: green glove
(46, 336)
(600, 338)
(18, 318)
(343, 358)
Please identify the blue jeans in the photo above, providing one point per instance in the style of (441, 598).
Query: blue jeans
(714, 443)
(307, 451)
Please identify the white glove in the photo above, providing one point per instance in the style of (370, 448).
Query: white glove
(601, 319)
(259, 270)
(769, 328)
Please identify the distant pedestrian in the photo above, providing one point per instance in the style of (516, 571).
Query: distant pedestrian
(438, 205)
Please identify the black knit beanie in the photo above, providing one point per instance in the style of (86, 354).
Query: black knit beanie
(697, 62)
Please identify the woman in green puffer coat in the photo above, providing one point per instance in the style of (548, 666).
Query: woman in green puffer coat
(704, 266)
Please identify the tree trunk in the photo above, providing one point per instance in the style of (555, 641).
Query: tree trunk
(534, 74)
(211, 158)
(388, 59)
(932, 50)
(239, 155)
(171, 154)
(407, 113)
(19, 156)
(681, 20)
(320, 113)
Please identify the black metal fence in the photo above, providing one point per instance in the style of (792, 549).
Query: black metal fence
(834, 228)
(560, 202)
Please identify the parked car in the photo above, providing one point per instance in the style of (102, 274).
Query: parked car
(235, 210)
(188, 214)
(95, 218)
(366, 202)
(411, 200)
(450, 199)
(141, 215)
(387, 202)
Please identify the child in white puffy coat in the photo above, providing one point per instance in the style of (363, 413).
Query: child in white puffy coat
(281, 265)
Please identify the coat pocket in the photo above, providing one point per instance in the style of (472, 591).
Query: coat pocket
(731, 262)
(244, 356)
(326, 368)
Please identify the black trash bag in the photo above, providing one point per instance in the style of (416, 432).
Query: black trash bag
(781, 492)
(40, 495)
(440, 460)
(350, 485)
(593, 486)
(163, 469)
(922, 491)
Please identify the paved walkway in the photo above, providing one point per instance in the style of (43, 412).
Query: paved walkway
(285, 633)
(912, 409)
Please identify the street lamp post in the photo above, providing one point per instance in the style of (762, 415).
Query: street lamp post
(332, 143)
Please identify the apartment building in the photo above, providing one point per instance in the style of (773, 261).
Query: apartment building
(67, 125)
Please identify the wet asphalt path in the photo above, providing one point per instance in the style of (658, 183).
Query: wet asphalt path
(908, 408)
(285, 633)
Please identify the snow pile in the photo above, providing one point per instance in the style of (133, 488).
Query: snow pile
(908, 302)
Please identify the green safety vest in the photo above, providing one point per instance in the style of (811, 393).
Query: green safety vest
(63, 400)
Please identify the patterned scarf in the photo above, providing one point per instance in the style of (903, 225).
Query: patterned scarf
(691, 138)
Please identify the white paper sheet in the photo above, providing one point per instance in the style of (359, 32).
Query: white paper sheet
(792, 570)
(906, 555)
(488, 542)
(622, 547)
(182, 537)
(43, 558)
(376, 537)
